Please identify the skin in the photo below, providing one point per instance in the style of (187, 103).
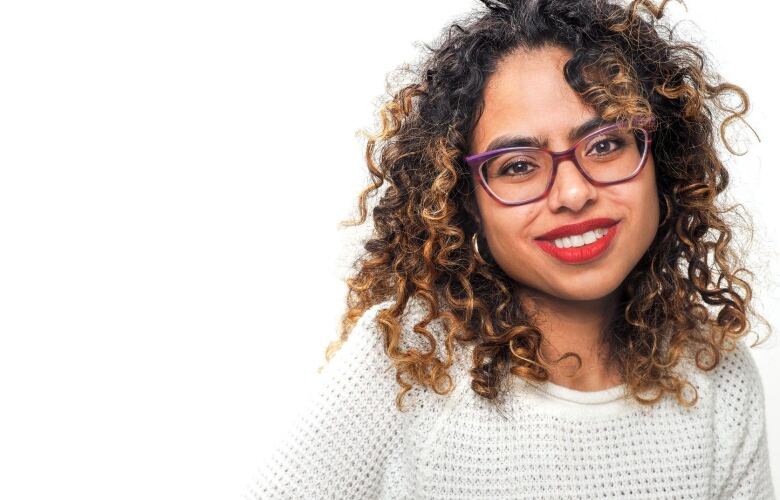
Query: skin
(571, 302)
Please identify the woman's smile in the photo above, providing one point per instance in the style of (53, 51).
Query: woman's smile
(579, 249)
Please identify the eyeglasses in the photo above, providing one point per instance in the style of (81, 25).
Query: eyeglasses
(519, 175)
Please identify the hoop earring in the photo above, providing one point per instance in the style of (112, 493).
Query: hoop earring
(667, 208)
(475, 248)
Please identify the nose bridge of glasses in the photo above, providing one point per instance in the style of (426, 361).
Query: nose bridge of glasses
(566, 156)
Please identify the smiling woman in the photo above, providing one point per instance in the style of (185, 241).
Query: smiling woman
(572, 282)
(551, 186)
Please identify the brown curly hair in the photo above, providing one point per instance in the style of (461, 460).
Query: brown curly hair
(684, 295)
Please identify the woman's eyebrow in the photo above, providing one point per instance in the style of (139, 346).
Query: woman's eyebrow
(513, 141)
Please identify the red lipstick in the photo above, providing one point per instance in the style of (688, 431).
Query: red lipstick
(587, 252)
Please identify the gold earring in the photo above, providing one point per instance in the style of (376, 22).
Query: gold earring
(667, 208)
(475, 247)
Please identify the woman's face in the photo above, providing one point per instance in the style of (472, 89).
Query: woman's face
(529, 96)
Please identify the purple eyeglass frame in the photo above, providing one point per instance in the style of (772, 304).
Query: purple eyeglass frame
(476, 161)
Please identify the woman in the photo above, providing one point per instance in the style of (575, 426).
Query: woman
(537, 313)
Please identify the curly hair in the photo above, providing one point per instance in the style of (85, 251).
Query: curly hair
(684, 295)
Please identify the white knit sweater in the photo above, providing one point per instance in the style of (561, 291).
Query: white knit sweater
(548, 441)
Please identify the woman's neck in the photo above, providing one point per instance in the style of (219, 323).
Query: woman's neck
(579, 327)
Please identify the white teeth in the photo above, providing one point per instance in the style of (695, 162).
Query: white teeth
(578, 240)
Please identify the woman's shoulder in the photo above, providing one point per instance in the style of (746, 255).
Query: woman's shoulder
(365, 349)
(414, 328)
(734, 385)
(732, 393)
(739, 422)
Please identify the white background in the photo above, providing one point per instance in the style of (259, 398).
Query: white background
(163, 298)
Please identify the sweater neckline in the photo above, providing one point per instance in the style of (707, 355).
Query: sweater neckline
(602, 396)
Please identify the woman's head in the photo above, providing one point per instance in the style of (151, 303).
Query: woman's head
(528, 96)
(536, 67)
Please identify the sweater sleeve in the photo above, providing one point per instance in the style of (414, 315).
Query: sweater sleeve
(750, 474)
(339, 443)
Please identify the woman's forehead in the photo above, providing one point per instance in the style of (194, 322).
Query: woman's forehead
(528, 86)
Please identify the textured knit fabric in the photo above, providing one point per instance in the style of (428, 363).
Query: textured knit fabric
(349, 441)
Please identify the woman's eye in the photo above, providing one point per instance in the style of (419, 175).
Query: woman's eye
(603, 146)
(517, 168)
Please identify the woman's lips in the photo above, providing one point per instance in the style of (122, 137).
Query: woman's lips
(585, 253)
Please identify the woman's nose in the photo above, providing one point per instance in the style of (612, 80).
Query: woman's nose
(570, 188)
